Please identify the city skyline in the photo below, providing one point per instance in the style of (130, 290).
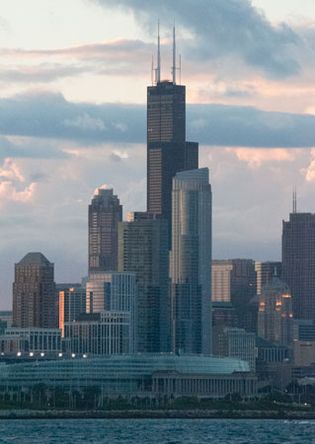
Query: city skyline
(45, 170)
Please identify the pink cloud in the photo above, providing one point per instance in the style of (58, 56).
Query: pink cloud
(256, 157)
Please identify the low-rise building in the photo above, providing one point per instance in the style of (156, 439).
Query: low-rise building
(147, 375)
(105, 333)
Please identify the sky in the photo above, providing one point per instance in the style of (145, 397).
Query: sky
(73, 78)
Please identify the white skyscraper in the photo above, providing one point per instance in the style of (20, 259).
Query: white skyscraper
(190, 263)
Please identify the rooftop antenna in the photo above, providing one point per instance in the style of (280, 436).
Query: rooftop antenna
(174, 67)
(152, 70)
(294, 201)
(180, 69)
(158, 68)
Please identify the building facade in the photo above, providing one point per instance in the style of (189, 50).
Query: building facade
(243, 293)
(237, 343)
(221, 281)
(105, 212)
(167, 150)
(34, 297)
(298, 262)
(72, 302)
(275, 315)
(265, 271)
(143, 249)
(113, 292)
(30, 340)
(190, 262)
(106, 333)
(144, 375)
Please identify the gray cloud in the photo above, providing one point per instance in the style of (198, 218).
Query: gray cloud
(41, 73)
(35, 149)
(49, 115)
(223, 27)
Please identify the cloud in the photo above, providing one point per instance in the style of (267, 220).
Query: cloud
(49, 116)
(255, 158)
(48, 65)
(43, 73)
(85, 122)
(221, 28)
(24, 147)
(13, 185)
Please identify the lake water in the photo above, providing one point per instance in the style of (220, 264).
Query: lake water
(165, 431)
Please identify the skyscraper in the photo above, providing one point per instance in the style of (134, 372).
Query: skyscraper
(243, 292)
(72, 302)
(221, 280)
(143, 249)
(190, 262)
(34, 297)
(298, 262)
(167, 150)
(105, 212)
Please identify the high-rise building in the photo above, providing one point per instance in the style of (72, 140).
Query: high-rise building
(167, 149)
(275, 317)
(110, 291)
(265, 271)
(105, 212)
(113, 292)
(243, 292)
(298, 262)
(143, 249)
(190, 262)
(221, 281)
(34, 297)
(72, 302)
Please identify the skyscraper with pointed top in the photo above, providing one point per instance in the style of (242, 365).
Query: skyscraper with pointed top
(168, 152)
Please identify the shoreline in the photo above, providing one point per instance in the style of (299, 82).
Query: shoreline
(157, 414)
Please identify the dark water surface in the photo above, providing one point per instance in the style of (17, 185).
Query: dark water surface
(164, 431)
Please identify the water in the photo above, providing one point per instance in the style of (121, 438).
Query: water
(151, 431)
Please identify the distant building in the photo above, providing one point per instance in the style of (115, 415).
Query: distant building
(243, 293)
(221, 281)
(275, 317)
(190, 262)
(265, 271)
(34, 300)
(72, 302)
(157, 376)
(5, 320)
(143, 249)
(113, 291)
(106, 333)
(298, 262)
(223, 316)
(304, 353)
(30, 340)
(304, 330)
(105, 212)
(237, 343)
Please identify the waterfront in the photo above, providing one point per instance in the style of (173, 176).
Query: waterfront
(172, 431)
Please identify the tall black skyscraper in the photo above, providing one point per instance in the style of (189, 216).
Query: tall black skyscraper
(298, 262)
(167, 150)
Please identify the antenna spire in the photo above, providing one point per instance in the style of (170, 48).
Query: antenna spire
(294, 201)
(174, 67)
(158, 68)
